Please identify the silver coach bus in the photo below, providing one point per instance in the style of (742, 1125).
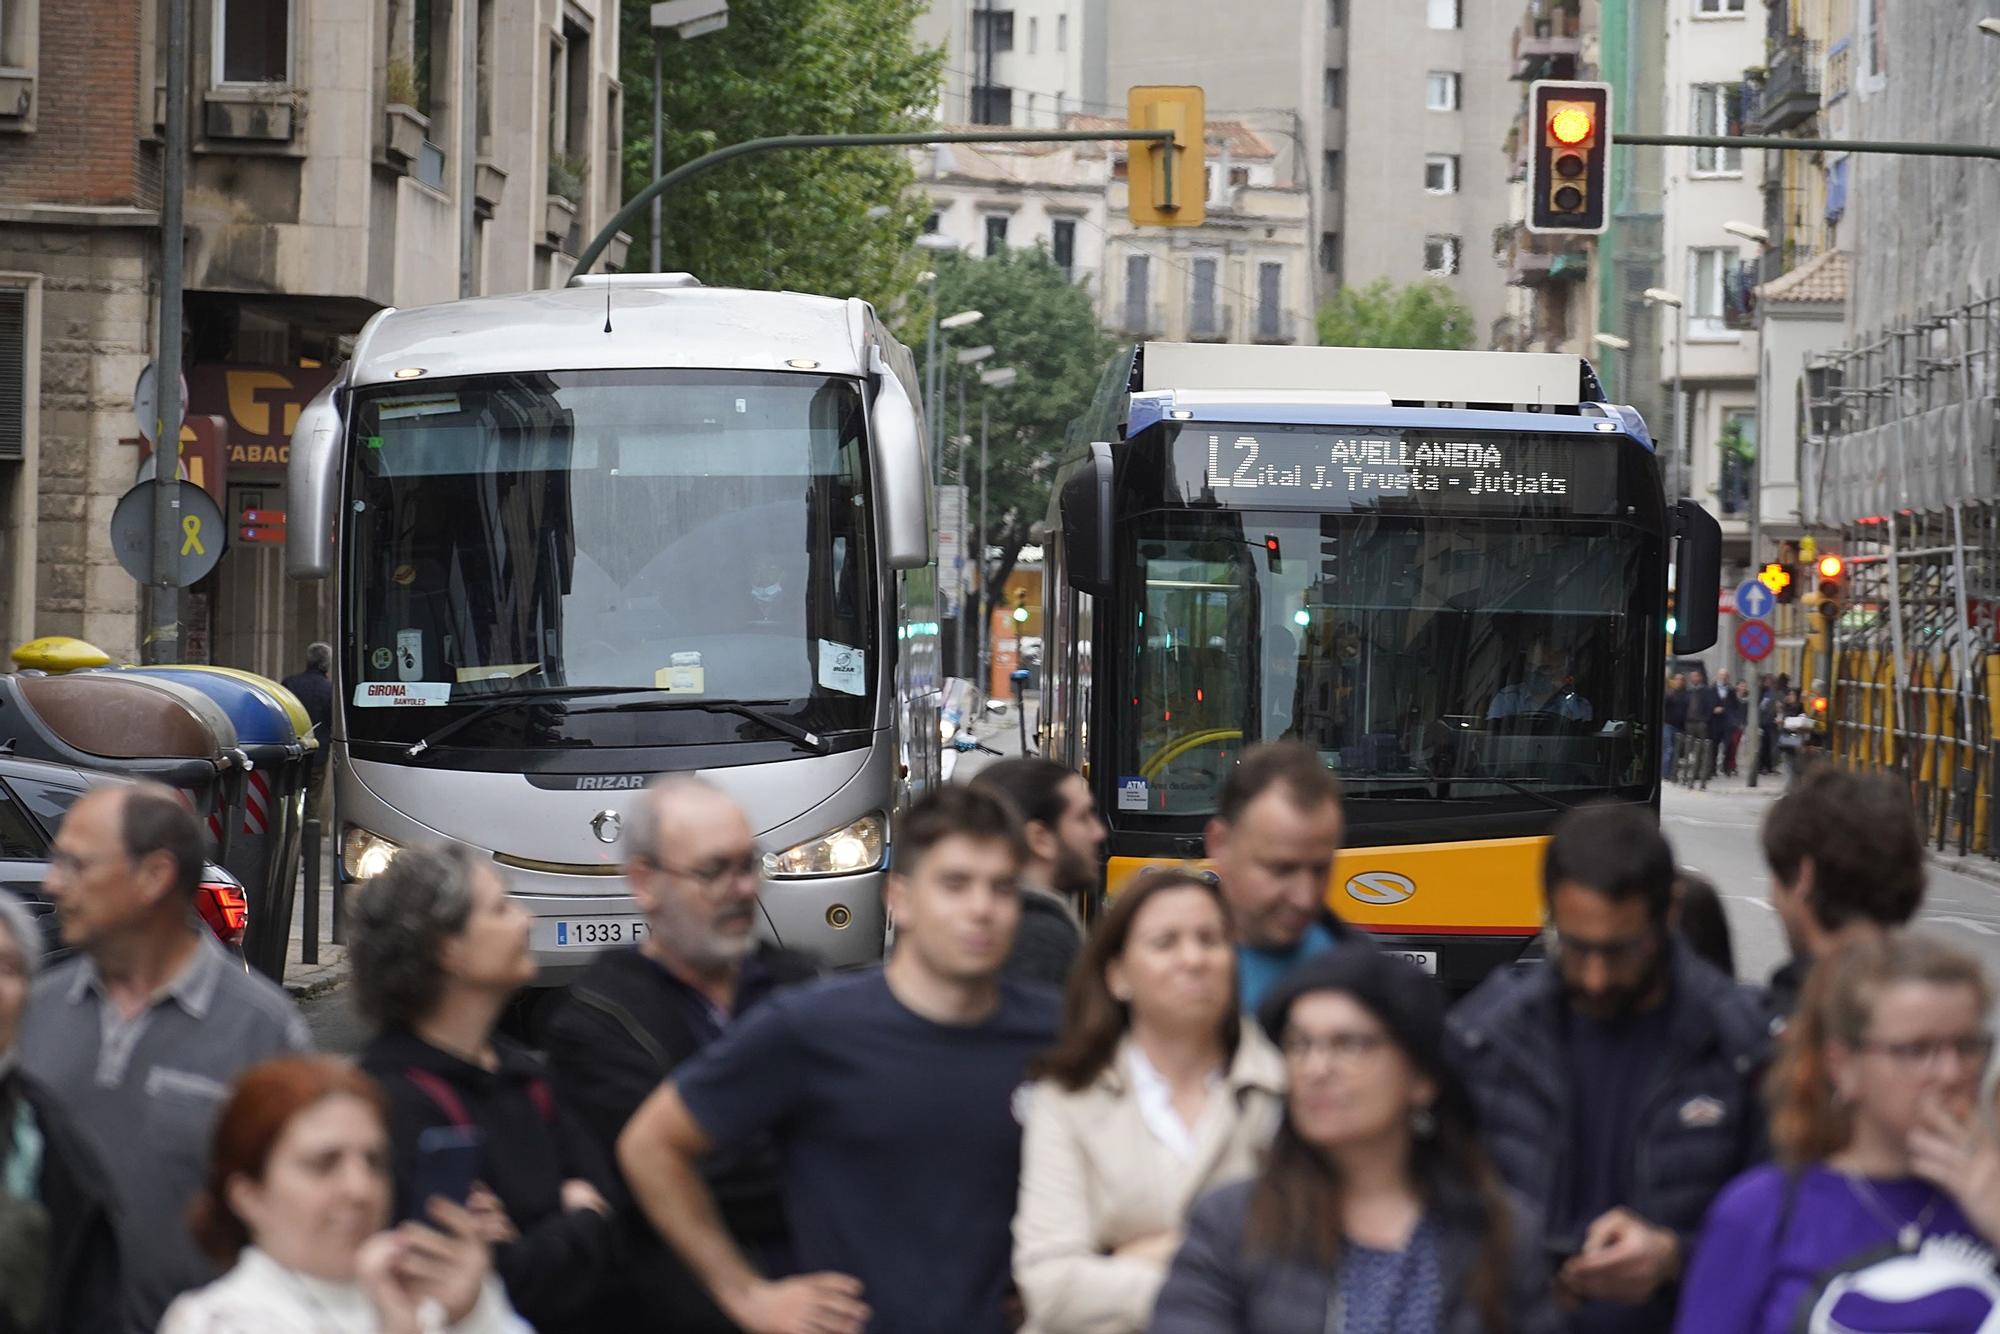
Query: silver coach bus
(638, 526)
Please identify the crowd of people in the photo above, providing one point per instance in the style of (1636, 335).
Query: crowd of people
(1706, 723)
(1215, 1109)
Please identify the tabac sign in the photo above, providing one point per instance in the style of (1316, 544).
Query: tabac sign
(261, 405)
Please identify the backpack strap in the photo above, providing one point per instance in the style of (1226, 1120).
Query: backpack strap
(442, 1094)
(625, 1020)
(545, 1103)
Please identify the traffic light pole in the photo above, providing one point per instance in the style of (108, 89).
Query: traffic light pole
(1892, 147)
(638, 203)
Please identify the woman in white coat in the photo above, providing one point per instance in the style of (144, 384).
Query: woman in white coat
(1156, 1092)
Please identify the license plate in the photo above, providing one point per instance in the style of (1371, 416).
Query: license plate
(597, 932)
(1424, 959)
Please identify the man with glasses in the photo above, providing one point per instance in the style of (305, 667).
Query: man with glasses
(1617, 1085)
(638, 1013)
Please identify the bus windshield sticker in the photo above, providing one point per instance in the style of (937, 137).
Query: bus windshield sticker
(496, 671)
(392, 409)
(682, 677)
(382, 659)
(401, 694)
(1132, 794)
(842, 668)
(1361, 467)
(409, 655)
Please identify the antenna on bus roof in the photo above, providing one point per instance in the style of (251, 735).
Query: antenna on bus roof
(607, 307)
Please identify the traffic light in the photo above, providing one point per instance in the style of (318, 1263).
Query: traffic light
(1778, 578)
(1569, 171)
(1020, 607)
(1831, 570)
(1157, 194)
(1673, 618)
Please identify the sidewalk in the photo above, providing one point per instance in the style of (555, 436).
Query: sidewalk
(306, 980)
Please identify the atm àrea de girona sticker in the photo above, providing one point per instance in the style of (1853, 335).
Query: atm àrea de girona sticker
(401, 694)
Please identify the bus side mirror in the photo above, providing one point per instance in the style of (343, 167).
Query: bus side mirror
(312, 488)
(1697, 577)
(1086, 522)
(901, 476)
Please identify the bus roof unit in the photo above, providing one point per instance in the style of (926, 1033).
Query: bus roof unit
(1543, 380)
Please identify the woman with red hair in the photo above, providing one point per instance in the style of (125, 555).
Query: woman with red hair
(297, 1202)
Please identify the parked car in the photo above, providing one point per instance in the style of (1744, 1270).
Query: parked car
(34, 797)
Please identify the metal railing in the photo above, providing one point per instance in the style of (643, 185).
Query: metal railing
(1209, 323)
(1788, 93)
(1142, 318)
(1275, 324)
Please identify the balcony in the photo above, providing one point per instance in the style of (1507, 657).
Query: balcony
(1739, 295)
(1548, 48)
(1788, 93)
(1534, 260)
(1140, 319)
(1209, 323)
(1275, 324)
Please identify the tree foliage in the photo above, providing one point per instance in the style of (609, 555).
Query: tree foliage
(795, 218)
(1421, 314)
(1042, 325)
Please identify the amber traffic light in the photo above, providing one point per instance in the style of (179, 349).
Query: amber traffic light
(1167, 184)
(1569, 176)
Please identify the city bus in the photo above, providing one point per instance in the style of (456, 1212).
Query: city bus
(638, 526)
(1444, 571)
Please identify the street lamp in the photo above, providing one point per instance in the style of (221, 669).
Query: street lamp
(687, 20)
(1749, 231)
(933, 374)
(1660, 296)
(1613, 343)
(998, 378)
(969, 356)
(1991, 27)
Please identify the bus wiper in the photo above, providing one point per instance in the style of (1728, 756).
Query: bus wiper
(1553, 803)
(784, 727)
(1425, 785)
(510, 700)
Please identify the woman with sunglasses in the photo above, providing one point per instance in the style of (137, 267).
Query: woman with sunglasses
(1376, 1211)
(1874, 1217)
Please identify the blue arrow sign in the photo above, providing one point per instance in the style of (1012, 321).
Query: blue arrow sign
(1754, 600)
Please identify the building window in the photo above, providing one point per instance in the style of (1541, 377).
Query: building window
(1441, 90)
(933, 222)
(992, 104)
(1718, 7)
(1707, 267)
(1441, 255)
(1738, 450)
(1062, 32)
(1336, 13)
(1446, 13)
(13, 373)
(1270, 300)
(1204, 317)
(993, 30)
(1062, 244)
(1336, 87)
(431, 63)
(1329, 252)
(996, 233)
(253, 41)
(1137, 301)
(1717, 108)
(1441, 173)
(1330, 167)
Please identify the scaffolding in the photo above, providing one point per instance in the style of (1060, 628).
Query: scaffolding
(1900, 458)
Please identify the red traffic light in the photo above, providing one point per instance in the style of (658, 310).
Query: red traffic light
(1830, 566)
(1819, 703)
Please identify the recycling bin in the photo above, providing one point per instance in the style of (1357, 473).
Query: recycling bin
(259, 834)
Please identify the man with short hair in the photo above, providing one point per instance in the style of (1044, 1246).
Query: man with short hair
(1276, 830)
(314, 689)
(637, 1014)
(1847, 862)
(890, 1094)
(1065, 845)
(1617, 1086)
(140, 1035)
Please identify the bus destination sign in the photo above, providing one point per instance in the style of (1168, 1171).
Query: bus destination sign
(1330, 468)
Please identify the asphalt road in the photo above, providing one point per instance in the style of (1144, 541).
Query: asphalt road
(1715, 832)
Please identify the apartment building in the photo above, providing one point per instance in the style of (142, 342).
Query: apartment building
(343, 158)
(1382, 116)
(1018, 62)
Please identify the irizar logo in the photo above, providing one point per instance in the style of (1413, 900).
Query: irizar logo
(1381, 888)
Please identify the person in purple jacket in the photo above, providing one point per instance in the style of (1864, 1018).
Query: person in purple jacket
(1875, 1218)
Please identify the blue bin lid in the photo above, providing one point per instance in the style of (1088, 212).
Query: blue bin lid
(258, 716)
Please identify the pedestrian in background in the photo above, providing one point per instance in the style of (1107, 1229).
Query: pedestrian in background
(1275, 833)
(1376, 1209)
(314, 688)
(1871, 1219)
(1700, 920)
(58, 1247)
(1157, 1091)
(891, 1095)
(139, 1035)
(1063, 872)
(437, 950)
(1675, 724)
(1847, 862)
(1735, 712)
(297, 1206)
(1768, 697)
(638, 1013)
(1617, 1086)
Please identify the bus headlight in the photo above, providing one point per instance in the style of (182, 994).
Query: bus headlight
(858, 847)
(365, 855)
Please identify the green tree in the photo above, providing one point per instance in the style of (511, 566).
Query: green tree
(1421, 314)
(1042, 325)
(796, 218)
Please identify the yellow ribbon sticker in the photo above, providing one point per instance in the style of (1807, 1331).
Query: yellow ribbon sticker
(191, 536)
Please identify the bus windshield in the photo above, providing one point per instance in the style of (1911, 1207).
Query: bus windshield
(702, 535)
(1424, 657)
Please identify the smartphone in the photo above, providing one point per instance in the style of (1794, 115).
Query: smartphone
(447, 1165)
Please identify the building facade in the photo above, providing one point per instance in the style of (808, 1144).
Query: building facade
(1018, 62)
(343, 159)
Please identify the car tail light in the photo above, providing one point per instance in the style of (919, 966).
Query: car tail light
(224, 908)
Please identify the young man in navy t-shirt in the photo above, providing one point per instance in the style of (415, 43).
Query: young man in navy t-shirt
(890, 1095)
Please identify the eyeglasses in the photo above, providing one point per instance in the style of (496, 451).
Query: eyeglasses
(1339, 1047)
(1611, 951)
(747, 867)
(1971, 1049)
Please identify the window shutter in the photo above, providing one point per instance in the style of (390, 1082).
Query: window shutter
(13, 373)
